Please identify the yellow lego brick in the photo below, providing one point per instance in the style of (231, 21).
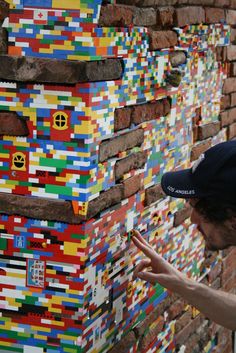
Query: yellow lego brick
(70, 248)
(51, 272)
(66, 4)
(40, 337)
(41, 328)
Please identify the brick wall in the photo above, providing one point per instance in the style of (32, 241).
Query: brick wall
(94, 106)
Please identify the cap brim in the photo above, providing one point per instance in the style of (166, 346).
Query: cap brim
(180, 185)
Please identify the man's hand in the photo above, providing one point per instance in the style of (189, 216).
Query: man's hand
(215, 304)
(154, 268)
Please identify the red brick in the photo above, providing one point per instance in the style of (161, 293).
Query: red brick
(233, 99)
(11, 124)
(214, 15)
(156, 327)
(165, 16)
(124, 344)
(177, 58)
(112, 147)
(230, 260)
(200, 148)
(4, 10)
(189, 15)
(231, 17)
(145, 17)
(228, 274)
(190, 328)
(233, 4)
(233, 35)
(176, 309)
(228, 117)
(162, 39)
(133, 161)
(153, 194)
(208, 130)
(232, 69)
(119, 16)
(38, 208)
(232, 131)
(149, 111)
(231, 53)
(229, 85)
(183, 320)
(214, 272)
(181, 215)
(221, 54)
(222, 3)
(132, 186)
(122, 118)
(226, 101)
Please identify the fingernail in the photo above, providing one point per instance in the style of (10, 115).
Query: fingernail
(140, 274)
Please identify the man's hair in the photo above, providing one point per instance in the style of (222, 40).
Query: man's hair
(216, 210)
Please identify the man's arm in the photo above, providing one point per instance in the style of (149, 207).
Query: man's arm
(217, 305)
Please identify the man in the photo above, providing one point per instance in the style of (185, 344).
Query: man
(210, 187)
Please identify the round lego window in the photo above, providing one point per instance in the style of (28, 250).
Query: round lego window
(19, 161)
(60, 121)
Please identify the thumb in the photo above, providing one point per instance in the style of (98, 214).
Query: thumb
(148, 276)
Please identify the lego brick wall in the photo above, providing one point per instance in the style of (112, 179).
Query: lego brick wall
(97, 101)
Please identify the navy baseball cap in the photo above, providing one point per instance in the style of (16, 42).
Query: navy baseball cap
(212, 175)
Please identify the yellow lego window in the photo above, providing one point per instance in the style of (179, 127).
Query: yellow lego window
(60, 121)
(19, 161)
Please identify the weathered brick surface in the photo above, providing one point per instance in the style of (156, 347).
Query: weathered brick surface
(190, 328)
(221, 54)
(229, 85)
(232, 131)
(182, 215)
(162, 39)
(200, 148)
(226, 101)
(208, 130)
(215, 15)
(176, 309)
(232, 100)
(112, 147)
(147, 3)
(131, 186)
(124, 344)
(145, 17)
(183, 320)
(39, 208)
(11, 124)
(117, 16)
(105, 200)
(125, 165)
(156, 327)
(153, 194)
(228, 117)
(189, 15)
(231, 17)
(4, 10)
(3, 41)
(165, 16)
(233, 35)
(58, 71)
(122, 118)
(150, 111)
(214, 272)
(231, 53)
(232, 69)
(178, 58)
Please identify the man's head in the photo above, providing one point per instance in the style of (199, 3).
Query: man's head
(210, 186)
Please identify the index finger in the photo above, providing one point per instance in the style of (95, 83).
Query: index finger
(147, 250)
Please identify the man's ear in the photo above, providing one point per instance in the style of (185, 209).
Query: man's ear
(231, 223)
